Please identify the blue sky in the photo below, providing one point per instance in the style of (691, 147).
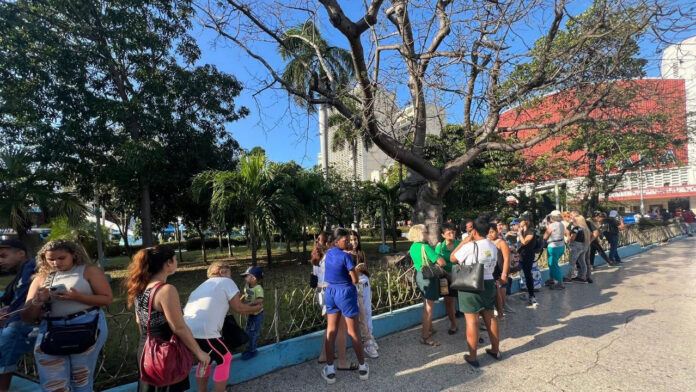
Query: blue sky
(284, 131)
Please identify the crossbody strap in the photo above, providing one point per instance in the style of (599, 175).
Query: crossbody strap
(475, 253)
(149, 305)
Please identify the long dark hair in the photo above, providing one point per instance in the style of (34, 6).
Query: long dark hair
(359, 254)
(146, 262)
(321, 244)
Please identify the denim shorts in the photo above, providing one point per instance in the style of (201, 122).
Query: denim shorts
(342, 298)
(16, 339)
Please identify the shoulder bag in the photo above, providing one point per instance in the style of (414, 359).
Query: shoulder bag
(68, 339)
(163, 362)
(468, 277)
(428, 269)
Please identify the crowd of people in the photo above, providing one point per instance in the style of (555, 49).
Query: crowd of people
(62, 292)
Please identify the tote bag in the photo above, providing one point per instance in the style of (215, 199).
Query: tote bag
(468, 277)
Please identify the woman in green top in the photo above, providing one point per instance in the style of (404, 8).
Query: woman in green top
(444, 250)
(429, 287)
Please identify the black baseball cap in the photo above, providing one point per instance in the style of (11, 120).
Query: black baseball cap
(14, 244)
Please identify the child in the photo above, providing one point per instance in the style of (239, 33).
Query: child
(341, 298)
(365, 305)
(253, 295)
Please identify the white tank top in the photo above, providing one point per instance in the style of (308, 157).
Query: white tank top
(73, 278)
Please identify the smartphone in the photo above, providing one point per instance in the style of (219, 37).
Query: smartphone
(59, 287)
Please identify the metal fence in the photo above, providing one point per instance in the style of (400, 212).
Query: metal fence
(292, 312)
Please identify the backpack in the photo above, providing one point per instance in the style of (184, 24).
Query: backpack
(539, 243)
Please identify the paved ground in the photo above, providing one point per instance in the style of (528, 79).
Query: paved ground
(634, 329)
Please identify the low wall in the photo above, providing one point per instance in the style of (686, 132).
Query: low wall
(304, 348)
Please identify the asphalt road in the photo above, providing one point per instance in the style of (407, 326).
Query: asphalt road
(634, 329)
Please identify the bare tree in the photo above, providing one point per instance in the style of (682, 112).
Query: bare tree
(481, 58)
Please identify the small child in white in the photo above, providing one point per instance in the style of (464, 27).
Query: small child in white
(365, 305)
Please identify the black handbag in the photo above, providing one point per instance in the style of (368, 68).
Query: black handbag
(313, 281)
(69, 339)
(468, 277)
(430, 270)
(232, 334)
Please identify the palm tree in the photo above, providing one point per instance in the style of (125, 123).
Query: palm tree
(313, 63)
(27, 191)
(345, 134)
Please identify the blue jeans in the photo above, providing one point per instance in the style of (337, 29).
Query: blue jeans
(73, 372)
(253, 329)
(16, 339)
(613, 247)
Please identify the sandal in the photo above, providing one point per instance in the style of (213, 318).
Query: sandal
(498, 356)
(470, 361)
(351, 367)
(429, 342)
(452, 331)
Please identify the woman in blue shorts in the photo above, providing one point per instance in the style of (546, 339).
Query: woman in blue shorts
(341, 299)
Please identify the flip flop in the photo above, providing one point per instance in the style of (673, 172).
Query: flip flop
(351, 367)
(498, 356)
(429, 342)
(471, 362)
(452, 331)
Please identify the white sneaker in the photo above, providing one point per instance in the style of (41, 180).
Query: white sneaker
(533, 302)
(495, 312)
(329, 377)
(364, 374)
(371, 351)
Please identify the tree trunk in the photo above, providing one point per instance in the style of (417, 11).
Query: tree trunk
(303, 258)
(229, 244)
(592, 194)
(177, 232)
(428, 211)
(145, 213)
(100, 240)
(203, 250)
(393, 225)
(252, 242)
(124, 233)
(269, 248)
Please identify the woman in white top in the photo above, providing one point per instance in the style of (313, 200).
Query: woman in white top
(554, 236)
(321, 245)
(205, 315)
(74, 291)
(473, 304)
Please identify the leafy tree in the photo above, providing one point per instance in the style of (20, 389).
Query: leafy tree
(99, 87)
(459, 53)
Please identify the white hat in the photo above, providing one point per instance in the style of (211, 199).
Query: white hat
(613, 214)
(555, 213)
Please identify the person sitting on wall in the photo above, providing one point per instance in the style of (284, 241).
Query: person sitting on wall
(15, 335)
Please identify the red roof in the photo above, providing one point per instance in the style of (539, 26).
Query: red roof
(654, 96)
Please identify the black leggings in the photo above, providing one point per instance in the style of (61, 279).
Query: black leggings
(528, 278)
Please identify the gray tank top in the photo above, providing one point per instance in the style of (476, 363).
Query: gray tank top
(73, 278)
(557, 231)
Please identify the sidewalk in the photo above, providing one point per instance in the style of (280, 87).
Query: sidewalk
(588, 337)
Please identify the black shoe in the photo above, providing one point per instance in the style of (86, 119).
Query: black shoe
(578, 280)
(589, 280)
(458, 314)
(567, 279)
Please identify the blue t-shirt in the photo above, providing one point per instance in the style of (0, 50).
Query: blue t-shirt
(336, 267)
(21, 289)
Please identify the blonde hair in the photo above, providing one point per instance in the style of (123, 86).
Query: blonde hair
(215, 268)
(76, 249)
(416, 234)
(580, 221)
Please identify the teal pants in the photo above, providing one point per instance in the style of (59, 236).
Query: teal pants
(554, 254)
